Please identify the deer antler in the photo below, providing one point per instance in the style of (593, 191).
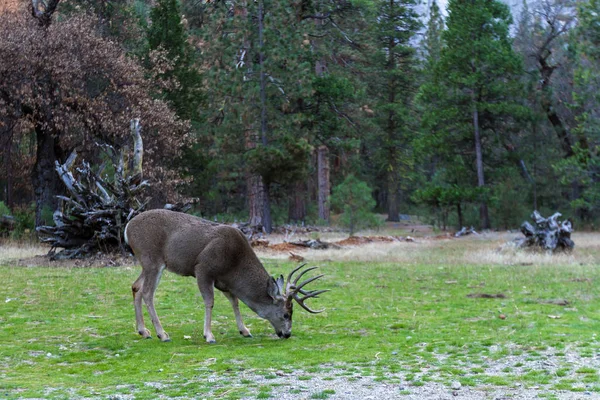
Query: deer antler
(293, 288)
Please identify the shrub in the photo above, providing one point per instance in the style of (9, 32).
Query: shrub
(353, 199)
(24, 222)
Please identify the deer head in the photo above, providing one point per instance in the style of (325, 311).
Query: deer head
(280, 314)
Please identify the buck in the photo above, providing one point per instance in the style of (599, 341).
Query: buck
(217, 256)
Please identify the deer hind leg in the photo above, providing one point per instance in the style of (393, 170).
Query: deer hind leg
(238, 317)
(206, 287)
(152, 277)
(136, 289)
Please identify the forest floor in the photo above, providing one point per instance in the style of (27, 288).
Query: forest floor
(437, 317)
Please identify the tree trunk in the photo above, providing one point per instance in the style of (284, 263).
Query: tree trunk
(393, 213)
(546, 71)
(460, 215)
(8, 167)
(267, 222)
(256, 206)
(46, 183)
(392, 170)
(297, 203)
(324, 185)
(483, 208)
(254, 186)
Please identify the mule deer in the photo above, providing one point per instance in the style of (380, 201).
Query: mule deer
(217, 256)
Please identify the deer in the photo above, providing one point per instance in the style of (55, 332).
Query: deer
(218, 256)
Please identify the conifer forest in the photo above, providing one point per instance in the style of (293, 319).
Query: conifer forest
(462, 113)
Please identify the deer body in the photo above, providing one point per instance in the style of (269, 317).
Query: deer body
(217, 256)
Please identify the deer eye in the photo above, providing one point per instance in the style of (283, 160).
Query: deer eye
(286, 316)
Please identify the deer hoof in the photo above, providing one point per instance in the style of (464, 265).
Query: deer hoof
(145, 334)
(164, 337)
(246, 334)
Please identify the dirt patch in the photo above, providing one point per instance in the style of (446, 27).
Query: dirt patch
(284, 247)
(358, 240)
(486, 296)
(556, 302)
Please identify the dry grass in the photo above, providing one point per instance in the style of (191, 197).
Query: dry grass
(486, 249)
(12, 251)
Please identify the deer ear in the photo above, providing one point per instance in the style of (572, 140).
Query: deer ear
(273, 289)
(280, 283)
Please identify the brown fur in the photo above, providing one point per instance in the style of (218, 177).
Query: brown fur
(216, 255)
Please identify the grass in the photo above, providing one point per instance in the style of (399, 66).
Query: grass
(69, 332)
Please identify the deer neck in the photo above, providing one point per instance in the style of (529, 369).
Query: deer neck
(251, 289)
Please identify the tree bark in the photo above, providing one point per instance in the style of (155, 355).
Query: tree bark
(254, 187)
(460, 215)
(393, 213)
(297, 202)
(8, 166)
(267, 222)
(483, 208)
(324, 185)
(46, 183)
(392, 126)
(546, 71)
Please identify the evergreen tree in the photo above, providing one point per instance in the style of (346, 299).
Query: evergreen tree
(475, 90)
(583, 168)
(277, 99)
(433, 36)
(182, 80)
(392, 88)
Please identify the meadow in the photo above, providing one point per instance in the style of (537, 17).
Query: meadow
(470, 315)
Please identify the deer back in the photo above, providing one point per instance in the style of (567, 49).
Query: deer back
(188, 245)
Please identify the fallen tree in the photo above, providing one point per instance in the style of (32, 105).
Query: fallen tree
(547, 233)
(94, 215)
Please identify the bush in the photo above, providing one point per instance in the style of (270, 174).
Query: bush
(4, 211)
(24, 222)
(353, 199)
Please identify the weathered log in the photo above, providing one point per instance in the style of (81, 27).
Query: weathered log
(464, 231)
(98, 208)
(547, 233)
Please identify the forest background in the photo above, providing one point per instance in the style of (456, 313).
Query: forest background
(266, 111)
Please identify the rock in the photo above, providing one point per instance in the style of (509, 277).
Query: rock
(455, 385)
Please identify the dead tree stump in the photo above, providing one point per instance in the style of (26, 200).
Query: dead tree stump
(547, 233)
(99, 206)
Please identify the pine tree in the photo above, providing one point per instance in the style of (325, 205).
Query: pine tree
(278, 99)
(167, 33)
(433, 36)
(474, 91)
(583, 168)
(393, 88)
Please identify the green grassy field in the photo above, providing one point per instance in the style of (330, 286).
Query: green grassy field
(412, 313)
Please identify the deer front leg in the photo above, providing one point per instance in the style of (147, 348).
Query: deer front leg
(151, 280)
(136, 289)
(238, 317)
(208, 295)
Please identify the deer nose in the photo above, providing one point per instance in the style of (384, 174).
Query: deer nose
(287, 335)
